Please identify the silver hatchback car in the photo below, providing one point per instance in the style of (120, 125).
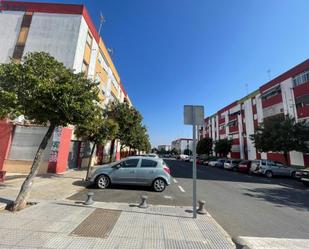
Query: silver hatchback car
(137, 170)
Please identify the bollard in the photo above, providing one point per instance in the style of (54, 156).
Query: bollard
(143, 203)
(201, 209)
(89, 200)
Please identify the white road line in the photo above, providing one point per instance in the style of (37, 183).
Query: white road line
(181, 189)
(175, 180)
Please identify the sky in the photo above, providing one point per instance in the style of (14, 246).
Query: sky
(170, 53)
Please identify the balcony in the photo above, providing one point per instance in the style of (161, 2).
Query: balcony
(272, 101)
(221, 121)
(233, 128)
(303, 112)
(301, 89)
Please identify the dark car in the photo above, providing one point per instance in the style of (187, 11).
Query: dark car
(303, 176)
(244, 166)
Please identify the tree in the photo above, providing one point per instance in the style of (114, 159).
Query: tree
(127, 118)
(282, 134)
(97, 130)
(204, 146)
(131, 132)
(174, 151)
(45, 92)
(223, 147)
(187, 152)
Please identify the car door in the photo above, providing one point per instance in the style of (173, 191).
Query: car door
(284, 169)
(146, 171)
(125, 172)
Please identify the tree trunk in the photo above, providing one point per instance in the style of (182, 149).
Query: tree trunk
(285, 154)
(111, 153)
(24, 193)
(89, 163)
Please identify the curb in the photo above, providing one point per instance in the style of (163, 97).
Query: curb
(240, 243)
(228, 237)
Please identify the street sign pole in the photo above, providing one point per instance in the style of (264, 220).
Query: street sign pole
(194, 172)
(194, 115)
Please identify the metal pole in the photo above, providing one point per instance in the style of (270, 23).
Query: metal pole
(194, 171)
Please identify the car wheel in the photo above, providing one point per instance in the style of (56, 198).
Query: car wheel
(269, 174)
(103, 181)
(293, 175)
(158, 185)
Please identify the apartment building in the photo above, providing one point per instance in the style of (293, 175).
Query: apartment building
(66, 32)
(182, 144)
(164, 147)
(287, 94)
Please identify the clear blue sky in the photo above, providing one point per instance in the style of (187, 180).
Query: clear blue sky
(175, 52)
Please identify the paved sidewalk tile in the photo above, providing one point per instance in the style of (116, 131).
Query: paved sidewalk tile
(49, 225)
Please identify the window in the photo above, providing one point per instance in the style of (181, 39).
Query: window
(148, 163)
(301, 78)
(89, 39)
(263, 162)
(131, 163)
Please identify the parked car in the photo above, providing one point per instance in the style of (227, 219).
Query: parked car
(231, 164)
(183, 157)
(244, 166)
(198, 160)
(303, 176)
(141, 170)
(220, 162)
(271, 168)
(151, 155)
(210, 161)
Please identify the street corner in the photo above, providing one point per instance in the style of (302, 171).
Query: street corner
(270, 243)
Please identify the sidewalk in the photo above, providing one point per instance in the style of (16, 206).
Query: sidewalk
(64, 224)
(45, 187)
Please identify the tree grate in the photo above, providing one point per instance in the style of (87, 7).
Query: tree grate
(98, 224)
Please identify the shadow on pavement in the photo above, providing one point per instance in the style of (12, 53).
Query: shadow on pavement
(282, 197)
(181, 169)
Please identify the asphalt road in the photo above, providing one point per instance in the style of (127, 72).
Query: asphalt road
(246, 205)
(242, 204)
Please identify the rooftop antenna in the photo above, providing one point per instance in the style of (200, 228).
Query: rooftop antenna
(111, 51)
(269, 74)
(102, 20)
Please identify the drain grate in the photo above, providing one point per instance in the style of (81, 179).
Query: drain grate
(98, 224)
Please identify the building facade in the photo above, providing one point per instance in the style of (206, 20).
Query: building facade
(287, 94)
(182, 144)
(67, 33)
(164, 147)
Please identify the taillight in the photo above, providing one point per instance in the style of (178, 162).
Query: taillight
(167, 169)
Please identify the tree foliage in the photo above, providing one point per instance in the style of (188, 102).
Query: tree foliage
(131, 132)
(187, 152)
(282, 134)
(204, 146)
(45, 92)
(223, 147)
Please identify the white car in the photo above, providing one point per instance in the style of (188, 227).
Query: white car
(183, 157)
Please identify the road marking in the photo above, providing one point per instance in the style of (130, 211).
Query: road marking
(168, 197)
(181, 189)
(175, 180)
